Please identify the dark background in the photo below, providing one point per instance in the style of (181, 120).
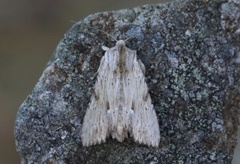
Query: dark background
(29, 34)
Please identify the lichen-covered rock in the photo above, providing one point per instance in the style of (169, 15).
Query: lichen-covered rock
(191, 51)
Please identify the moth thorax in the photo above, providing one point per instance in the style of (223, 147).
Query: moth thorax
(121, 49)
(122, 56)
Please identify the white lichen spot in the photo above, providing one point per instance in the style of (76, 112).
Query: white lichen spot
(188, 33)
(64, 134)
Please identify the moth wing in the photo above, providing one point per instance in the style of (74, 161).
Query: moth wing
(145, 128)
(95, 123)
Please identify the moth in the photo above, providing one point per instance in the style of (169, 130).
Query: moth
(120, 104)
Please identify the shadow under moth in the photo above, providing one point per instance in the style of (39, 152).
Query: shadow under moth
(120, 104)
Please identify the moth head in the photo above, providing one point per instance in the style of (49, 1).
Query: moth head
(120, 43)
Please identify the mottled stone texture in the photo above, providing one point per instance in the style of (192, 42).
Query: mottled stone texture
(191, 50)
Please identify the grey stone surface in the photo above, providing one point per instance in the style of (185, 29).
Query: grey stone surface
(191, 51)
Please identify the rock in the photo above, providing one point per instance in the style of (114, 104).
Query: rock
(191, 52)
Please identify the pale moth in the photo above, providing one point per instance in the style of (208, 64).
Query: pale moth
(120, 104)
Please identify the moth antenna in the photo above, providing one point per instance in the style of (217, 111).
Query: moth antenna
(108, 35)
(130, 37)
